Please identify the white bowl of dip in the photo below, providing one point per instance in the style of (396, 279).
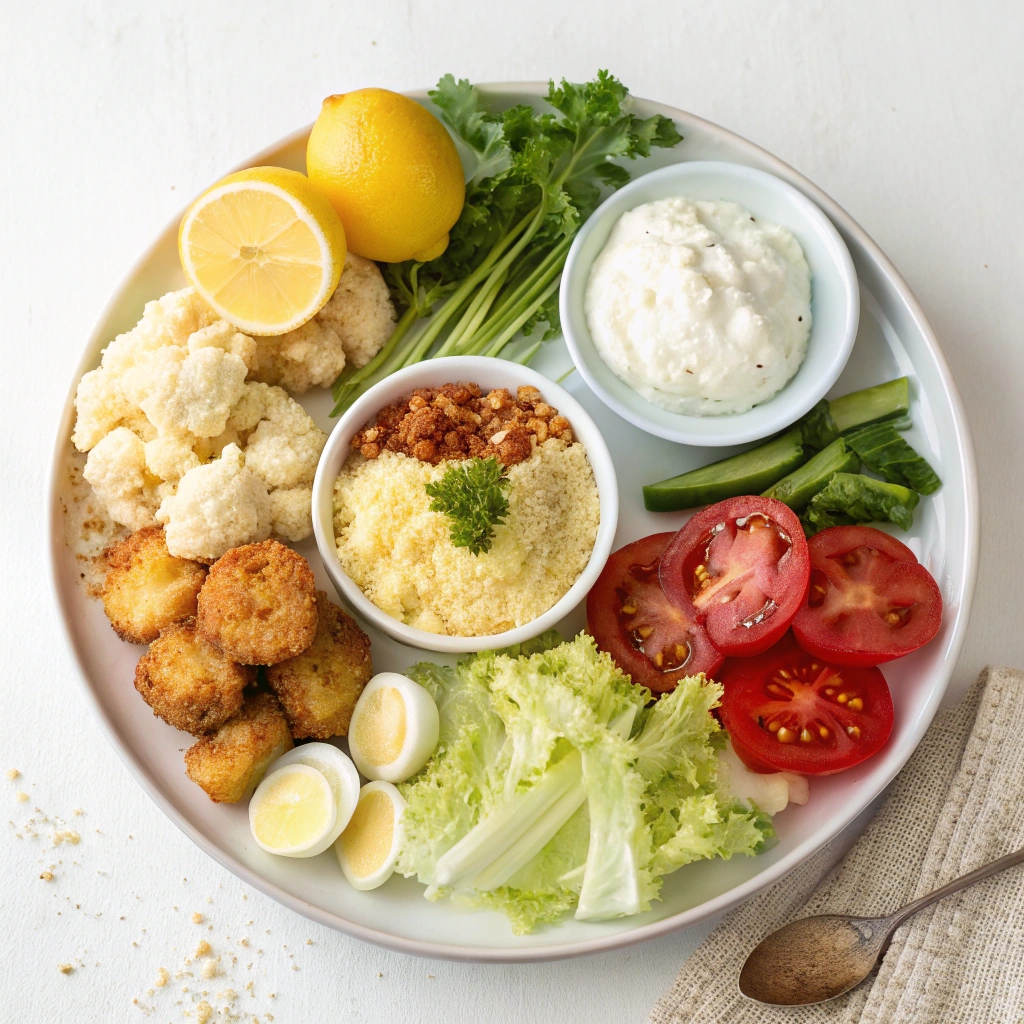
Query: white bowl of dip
(835, 302)
(489, 373)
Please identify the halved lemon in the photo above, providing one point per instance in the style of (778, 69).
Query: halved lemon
(293, 811)
(264, 248)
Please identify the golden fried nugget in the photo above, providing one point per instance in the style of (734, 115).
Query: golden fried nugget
(319, 687)
(230, 762)
(188, 682)
(146, 587)
(258, 604)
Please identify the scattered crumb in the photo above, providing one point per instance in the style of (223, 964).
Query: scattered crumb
(162, 977)
(380, 974)
(204, 1011)
(202, 949)
(47, 876)
(243, 942)
(21, 796)
(211, 967)
(66, 837)
(309, 942)
(78, 812)
(197, 918)
(65, 968)
(13, 773)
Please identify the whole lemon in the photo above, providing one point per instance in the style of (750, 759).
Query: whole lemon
(392, 172)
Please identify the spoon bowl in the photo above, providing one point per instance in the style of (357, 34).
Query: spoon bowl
(818, 958)
(814, 959)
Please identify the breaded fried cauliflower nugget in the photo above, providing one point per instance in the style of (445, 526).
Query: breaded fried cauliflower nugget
(188, 682)
(147, 588)
(229, 763)
(258, 604)
(319, 687)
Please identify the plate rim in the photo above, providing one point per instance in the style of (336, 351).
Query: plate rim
(645, 932)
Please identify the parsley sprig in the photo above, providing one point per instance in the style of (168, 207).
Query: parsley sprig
(472, 495)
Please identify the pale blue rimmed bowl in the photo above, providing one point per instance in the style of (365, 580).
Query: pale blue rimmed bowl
(835, 302)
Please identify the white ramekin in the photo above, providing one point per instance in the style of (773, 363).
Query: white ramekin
(488, 373)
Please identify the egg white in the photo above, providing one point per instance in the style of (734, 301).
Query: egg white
(421, 729)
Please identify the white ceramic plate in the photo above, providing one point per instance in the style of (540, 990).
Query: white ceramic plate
(894, 338)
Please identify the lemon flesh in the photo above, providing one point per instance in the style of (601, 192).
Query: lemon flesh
(294, 809)
(264, 248)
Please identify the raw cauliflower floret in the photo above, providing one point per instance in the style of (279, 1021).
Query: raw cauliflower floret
(187, 392)
(290, 512)
(310, 356)
(116, 470)
(170, 456)
(227, 337)
(101, 406)
(111, 395)
(360, 311)
(169, 320)
(286, 444)
(219, 506)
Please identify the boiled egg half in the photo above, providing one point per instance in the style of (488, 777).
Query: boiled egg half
(290, 814)
(368, 848)
(293, 811)
(394, 728)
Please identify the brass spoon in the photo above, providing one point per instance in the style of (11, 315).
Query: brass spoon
(819, 958)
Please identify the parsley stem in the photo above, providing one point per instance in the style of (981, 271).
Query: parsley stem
(513, 328)
(525, 230)
(511, 305)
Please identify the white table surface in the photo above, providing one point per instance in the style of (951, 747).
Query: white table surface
(114, 114)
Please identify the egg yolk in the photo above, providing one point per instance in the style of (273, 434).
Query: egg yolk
(380, 727)
(368, 837)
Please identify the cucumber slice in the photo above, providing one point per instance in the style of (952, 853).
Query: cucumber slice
(797, 489)
(747, 473)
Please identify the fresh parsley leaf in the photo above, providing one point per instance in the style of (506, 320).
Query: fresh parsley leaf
(472, 495)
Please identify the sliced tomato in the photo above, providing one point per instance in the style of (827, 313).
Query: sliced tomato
(787, 711)
(741, 568)
(869, 601)
(651, 639)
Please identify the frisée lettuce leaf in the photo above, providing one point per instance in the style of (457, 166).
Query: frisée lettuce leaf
(555, 788)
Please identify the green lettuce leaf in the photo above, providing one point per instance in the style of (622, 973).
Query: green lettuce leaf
(555, 786)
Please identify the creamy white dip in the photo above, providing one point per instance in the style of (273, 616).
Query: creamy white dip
(700, 307)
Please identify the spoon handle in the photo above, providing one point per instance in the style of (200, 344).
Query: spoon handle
(1017, 857)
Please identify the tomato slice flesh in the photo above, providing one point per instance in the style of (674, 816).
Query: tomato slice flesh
(741, 568)
(650, 638)
(869, 600)
(787, 710)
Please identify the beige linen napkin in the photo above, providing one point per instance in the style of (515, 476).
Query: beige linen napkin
(958, 804)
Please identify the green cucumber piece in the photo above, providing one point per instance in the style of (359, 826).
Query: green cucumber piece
(747, 473)
(871, 404)
(797, 489)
